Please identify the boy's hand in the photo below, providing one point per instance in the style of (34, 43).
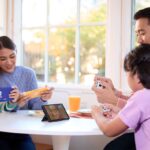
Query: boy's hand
(113, 110)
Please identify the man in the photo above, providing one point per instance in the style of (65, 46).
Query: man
(110, 95)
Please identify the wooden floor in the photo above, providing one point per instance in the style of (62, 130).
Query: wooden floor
(40, 146)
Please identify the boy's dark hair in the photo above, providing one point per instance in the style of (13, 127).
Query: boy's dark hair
(143, 13)
(137, 61)
(6, 42)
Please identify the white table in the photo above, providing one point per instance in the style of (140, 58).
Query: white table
(61, 132)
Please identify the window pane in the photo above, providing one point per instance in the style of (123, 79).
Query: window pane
(33, 51)
(52, 32)
(62, 12)
(61, 55)
(2, 17)
(34, 13)
(139, 4)
(93, 11)
(92, 55)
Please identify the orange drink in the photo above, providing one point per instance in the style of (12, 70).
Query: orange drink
(74, 103)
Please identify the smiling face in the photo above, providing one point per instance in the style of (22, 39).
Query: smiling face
(142, 29)
(7, 60)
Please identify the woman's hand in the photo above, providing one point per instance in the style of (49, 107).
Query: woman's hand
(14, 94)
(46, 95)
(23, 100)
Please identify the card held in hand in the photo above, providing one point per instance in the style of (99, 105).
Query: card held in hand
(4, 94)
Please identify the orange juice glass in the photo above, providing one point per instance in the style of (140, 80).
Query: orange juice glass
(74, 103)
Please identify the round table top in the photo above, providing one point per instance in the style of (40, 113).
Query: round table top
(29, 122)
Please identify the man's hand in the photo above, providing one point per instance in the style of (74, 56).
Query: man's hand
(106, 94)
(104, 79)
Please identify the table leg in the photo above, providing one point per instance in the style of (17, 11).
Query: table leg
(60, 142)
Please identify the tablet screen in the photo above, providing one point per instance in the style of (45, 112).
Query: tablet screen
(55, 112)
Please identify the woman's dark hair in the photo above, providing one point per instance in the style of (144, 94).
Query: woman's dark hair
(6, 42)
(143, 13)
(137, 61)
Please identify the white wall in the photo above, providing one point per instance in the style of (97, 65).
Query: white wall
(118, 40)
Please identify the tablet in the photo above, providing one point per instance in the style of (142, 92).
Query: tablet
(54, 112)
(4, 94)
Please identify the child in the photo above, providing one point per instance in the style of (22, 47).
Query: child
(136, 113)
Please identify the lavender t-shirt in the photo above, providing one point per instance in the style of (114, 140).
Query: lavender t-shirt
(136, 115)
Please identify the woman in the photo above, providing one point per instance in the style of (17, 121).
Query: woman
(23, 79)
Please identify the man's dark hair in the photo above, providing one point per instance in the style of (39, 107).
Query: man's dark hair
(137, 61)
(143, 13)
(6, 42)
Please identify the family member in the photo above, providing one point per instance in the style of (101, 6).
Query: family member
(23, 79)
(110, 95)
(136, 113)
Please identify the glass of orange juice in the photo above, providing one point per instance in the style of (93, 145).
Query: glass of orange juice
(74, 103)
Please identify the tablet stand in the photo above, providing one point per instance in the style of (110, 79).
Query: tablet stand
(45, 118)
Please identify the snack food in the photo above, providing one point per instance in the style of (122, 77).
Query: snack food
(36, 92)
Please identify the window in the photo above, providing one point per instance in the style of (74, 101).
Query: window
(64, 40)
(2, 17)
(140, 4)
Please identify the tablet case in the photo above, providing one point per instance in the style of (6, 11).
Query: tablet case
(4, 94)
(46, 117)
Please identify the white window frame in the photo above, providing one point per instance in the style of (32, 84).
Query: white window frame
(3, 25)
(118, 38)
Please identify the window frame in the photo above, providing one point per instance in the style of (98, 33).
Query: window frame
(4, 24)
(120, 42)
